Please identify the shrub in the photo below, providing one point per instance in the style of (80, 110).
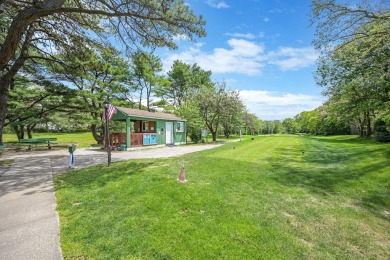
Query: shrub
(196, 135)
(380, 131)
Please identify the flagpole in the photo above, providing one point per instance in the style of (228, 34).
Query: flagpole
(106, 105)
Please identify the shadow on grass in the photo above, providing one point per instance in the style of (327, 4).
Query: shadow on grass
(99, 176)
(387, 153)
(322, 172)
(344, 139)
(377, 201)
(338, 170)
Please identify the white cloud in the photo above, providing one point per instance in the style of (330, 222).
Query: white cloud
(243, 57)
(144, 100)
(274, 105)
(230, 81)
(281, 11)
(249, 36)
(287, 58)
(217, 4)
(276, 11)
(266, 19)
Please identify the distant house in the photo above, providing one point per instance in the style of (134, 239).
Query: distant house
(145, 128)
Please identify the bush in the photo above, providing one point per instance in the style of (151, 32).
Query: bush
(380, 131)
(196, 135)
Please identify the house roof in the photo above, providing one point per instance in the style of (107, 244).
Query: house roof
(142, 113)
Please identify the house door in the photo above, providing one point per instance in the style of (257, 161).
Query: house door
(168, 132)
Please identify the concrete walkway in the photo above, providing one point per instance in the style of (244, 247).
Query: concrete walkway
(28, 219)
(29, 226)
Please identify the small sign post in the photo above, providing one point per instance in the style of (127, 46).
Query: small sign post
(71, 150)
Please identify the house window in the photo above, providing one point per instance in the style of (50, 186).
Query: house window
(180, 126)
(132, 127)
(145, 126)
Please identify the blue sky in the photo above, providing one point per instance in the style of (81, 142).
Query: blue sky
(260, 47)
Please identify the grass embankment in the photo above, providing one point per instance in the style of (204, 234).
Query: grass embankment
(260, 199)
(82, 139)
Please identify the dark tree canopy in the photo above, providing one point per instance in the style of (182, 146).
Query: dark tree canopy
(145, 22)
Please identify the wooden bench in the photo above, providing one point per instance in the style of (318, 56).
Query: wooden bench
(37, 142)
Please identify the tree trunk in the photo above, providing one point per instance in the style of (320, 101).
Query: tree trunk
(4, 91)
(29, 130)
(369, 132)
(360, 127)
(19, 131)
(214, 134)
(140, 100)
(96, 135)
(7, 76)
(148, 102)
(148, 92)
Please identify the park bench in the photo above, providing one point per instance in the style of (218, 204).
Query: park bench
(38, 142)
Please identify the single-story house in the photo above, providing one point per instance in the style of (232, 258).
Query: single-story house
(148, 128)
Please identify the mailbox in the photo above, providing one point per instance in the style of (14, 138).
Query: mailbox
(72, 148)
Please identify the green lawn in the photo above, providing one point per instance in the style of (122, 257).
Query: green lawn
(256, 199)
(82, 139)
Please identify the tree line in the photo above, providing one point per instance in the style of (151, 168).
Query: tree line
(58, 64)
(353, 39)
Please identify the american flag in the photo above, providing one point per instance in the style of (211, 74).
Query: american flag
(111, 111)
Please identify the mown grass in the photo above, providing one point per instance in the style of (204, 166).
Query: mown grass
(82, 139)
(256, 199)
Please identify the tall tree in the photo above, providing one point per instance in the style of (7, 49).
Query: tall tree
(33, 102)
(356, 79)
(250, 122)
(279, 129)
(290, 126)
(53, 25)
(353, 38)
(146, 76)
(309, 121)
(190, 111)
(269, 127)
(217, 105)
(186, 81)
(97, 74)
